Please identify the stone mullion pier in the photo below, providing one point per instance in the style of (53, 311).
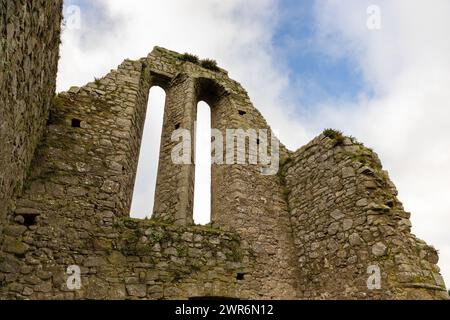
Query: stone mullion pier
(252, 205)
(175, 182)
(224, 204)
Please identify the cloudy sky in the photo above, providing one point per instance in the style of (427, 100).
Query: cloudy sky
(307, 65)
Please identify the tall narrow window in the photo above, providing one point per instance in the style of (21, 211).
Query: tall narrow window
(202, 188)
(145, 184)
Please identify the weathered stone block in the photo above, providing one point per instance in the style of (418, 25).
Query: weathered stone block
(379, 249)
(137, 290)
(13, 245)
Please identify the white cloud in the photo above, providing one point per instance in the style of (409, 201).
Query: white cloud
(237, 33)
(406, 63)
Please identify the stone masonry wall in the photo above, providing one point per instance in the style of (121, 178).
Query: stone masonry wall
(174, 187)
(346, 217)
(72, 207)
(29, 46)
(252, 204)
(127, 259)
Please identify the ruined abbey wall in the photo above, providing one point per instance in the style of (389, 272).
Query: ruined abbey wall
(79, 191)
(309, 231)
(345, 218)
(28, 63)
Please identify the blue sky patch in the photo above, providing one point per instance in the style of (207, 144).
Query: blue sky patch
(315, 77)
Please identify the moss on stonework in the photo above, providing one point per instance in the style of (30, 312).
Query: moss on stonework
(188, 57)
(130, 238)
(209, 64)
(53, 118)
(286, 193)
(18, 187)
(57, 102)
(133, 222)
(182, 251)
(158, 236)
(37, 160)
(284, 161)
(3, 48)
(235, 254)
(209, 229)
(364, 156)
(196, 266)
(282, 177)
(336, 136)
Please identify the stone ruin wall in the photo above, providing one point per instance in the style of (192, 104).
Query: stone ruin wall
(77, 198)
(28, 64)
(308, 232)
(345, 217)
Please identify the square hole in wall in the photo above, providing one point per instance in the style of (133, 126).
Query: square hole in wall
(76, 123)
(241, 112)
(240, 276)
(177, 126)
(29, 219)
